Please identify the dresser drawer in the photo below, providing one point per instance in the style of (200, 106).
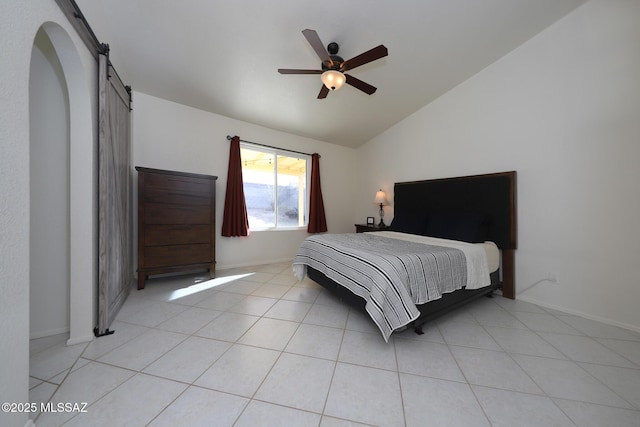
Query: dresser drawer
(158, 195)
(155, 213)
(177, 184)
(175, 255)
(176, 234)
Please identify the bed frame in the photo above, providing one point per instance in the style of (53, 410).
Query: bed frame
(492, 196)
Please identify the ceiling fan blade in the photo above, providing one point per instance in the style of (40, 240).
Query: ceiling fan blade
(323, 92)
(366, 57)
(293, 71)
(315, 42)
(359, 84)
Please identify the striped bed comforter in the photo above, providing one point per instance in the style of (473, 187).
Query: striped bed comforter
(394, 271)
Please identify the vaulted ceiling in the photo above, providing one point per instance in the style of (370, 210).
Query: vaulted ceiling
(223, 56)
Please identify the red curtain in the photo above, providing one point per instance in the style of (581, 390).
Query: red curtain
(317, 220)
(235, 222)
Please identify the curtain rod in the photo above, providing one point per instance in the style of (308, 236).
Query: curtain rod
(229, 138)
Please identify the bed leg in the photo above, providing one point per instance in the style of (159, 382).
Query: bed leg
(418, 330)
(489, 295)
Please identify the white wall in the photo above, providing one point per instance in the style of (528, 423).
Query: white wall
(563, 110)
(171, 136)
(49, 193)
(19, 23)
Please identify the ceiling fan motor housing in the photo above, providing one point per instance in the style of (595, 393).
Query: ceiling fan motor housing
(336, 61)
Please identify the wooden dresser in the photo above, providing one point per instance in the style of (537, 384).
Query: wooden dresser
(176, 222)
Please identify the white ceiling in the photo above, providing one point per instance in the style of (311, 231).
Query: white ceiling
(223, 56)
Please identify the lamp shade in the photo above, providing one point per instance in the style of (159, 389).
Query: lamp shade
(333, 79)
(381, 198)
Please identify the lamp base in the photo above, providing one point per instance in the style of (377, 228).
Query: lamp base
(381, 224)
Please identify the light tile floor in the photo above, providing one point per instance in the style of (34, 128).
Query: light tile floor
(254, 348)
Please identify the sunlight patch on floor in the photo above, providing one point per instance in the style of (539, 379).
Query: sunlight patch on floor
(205, 285)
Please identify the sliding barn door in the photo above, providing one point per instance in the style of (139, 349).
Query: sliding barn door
(115, 271)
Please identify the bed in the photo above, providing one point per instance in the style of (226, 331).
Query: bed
(451, 241)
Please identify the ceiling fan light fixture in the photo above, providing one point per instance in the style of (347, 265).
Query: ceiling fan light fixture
(333, 79)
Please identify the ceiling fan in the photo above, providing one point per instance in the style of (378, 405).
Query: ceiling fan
(333, 66)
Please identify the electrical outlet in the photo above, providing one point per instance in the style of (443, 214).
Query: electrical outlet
(553, 277)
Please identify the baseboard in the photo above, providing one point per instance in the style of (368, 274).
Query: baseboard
(42, 334)
(579, 313)
(252, 264)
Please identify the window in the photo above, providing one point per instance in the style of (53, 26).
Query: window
(275, 187)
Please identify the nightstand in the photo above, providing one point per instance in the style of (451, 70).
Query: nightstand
(362, 228)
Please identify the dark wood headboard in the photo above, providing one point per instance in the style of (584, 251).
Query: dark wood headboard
(491, 195)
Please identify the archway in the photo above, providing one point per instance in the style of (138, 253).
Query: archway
(80, 178)
(48, 193)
